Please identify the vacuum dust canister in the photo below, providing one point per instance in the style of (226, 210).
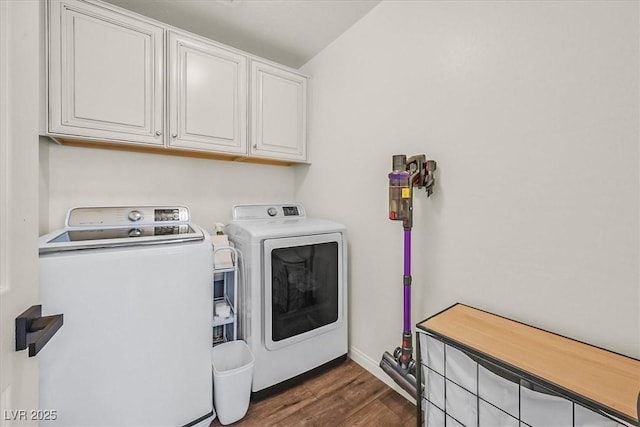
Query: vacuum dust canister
(399, 189)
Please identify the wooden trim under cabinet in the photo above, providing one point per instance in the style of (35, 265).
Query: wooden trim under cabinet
(169, 151)
(598, 376)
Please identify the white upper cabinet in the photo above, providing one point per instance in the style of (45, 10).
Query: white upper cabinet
(105, 74)
(207, 96)
(119, 79)
(278, 112)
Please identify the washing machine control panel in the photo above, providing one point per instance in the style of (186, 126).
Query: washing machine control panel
(169, 214)
(126, 215)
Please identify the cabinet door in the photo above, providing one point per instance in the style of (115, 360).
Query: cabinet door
(207, 96)
(105, 74)
(278, 112)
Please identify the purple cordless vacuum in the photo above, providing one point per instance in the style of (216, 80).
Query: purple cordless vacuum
(416, 171)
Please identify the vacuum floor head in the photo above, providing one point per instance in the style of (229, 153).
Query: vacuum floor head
(405, 378)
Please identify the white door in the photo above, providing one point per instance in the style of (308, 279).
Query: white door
(207, 96)
(105, 74)
(20, 31)
(278, 112)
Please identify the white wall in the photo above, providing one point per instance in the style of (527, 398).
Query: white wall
(531, 110)
(94, 177)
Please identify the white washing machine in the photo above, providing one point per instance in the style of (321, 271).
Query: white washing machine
(293, 299)
(135, 287)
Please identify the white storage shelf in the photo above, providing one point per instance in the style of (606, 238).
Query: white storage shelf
(225, 300)
(461, 386)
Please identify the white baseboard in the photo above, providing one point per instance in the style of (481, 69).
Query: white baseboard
(373, 366)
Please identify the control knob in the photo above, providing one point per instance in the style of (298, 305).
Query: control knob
(272, 211)
(135, 216)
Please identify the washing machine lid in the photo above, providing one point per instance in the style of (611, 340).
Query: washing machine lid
(110, 227)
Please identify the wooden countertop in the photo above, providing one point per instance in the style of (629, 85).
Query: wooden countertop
(609, 379)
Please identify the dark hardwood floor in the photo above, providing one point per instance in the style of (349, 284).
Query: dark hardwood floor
(347, 395)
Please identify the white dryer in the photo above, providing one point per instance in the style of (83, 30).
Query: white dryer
(135, 287)
(293, 299)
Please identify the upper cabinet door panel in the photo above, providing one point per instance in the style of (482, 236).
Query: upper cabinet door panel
(106, 74)
(279, 112)
(207, 96)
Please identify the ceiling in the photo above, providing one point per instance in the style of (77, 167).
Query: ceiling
(289, 32)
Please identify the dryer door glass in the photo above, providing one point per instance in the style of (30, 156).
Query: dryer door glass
(303, 287)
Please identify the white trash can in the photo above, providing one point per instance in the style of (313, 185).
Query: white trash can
(232, 374)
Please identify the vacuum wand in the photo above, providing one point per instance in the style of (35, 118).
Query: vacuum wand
(416, 171)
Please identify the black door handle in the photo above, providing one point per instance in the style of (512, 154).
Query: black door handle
(34, 331)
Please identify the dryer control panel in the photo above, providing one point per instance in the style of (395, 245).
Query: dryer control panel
(254, 212)
(126, 215)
